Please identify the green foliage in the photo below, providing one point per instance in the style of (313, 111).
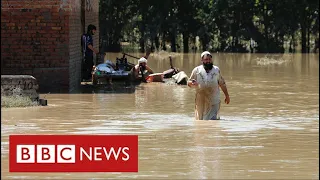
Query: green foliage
(268, 26)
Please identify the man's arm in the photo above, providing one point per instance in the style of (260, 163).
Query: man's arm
(135, 72)
(147, 54)
(93, 49)
(149, 69)
(224, 88)
(225, 91)
(192, 81)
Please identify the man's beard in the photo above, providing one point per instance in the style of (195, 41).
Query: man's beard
(142, 68)
(208, 66)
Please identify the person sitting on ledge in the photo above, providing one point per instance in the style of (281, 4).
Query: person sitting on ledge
(141, 70)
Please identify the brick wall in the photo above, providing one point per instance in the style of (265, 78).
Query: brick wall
(75, 45)
(42, 38)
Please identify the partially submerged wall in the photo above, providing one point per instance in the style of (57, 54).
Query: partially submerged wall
(42, 38)
(23, 85)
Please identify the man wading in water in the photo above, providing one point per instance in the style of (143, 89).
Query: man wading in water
(207, 78)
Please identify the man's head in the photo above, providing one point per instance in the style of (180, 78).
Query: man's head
(206, 59)
(142, 61)
(91, 29)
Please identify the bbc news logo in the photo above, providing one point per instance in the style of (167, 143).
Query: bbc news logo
(73, 153)
(46, 153)
(66, 153)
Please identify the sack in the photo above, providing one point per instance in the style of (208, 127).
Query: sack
(181, 78)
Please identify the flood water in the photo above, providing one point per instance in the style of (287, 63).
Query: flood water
(270, 129)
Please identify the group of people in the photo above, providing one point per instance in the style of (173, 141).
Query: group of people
(205, 78)
(88, 51)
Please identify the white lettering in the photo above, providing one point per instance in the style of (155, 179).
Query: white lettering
(96, 153)
(126, 154)
(106, 153)
(82, 151)
(25, 153)
(66, 153)
(112, 151)
(45, 153)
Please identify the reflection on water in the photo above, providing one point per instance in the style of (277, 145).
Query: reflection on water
(269, 130)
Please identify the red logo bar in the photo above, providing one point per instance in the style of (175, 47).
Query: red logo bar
(73, 153)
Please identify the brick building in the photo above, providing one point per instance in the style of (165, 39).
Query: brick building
(43, 38)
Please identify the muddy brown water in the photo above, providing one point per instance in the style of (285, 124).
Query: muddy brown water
(270, 130)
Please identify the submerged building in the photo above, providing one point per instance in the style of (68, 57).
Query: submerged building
(42, 38)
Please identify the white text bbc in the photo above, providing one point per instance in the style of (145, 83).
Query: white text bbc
(67, 153)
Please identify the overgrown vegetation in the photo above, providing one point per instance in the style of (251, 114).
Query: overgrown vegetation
(266, 26)
(16, 100)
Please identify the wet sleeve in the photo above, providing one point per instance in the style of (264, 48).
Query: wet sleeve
(89, 41)
(193, 74)
(135, 71)
(221, 80)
